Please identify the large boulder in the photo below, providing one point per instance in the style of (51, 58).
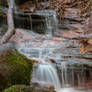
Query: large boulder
(14, 69)
(23, 88)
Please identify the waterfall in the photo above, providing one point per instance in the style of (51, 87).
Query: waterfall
(47, 73)
(44, 72)
(50, 19)
(40, 48)
(44, 21)
(74, 75)
(70, 75)
(64, 74)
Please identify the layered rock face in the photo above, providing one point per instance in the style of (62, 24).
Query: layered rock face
(58, 5)
(67, 39)
(63, 46)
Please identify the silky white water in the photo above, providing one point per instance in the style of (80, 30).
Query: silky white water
(71, 90)
(47, 73)
(39, 47)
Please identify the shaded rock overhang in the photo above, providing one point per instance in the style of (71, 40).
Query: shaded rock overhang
(19, 2)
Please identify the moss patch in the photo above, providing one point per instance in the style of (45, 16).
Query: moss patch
(19, 88)
(14, 69)
(24, 88)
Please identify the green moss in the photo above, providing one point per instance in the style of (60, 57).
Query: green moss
(24, 88)
(19, 88)
(17, 69)
(19, 64)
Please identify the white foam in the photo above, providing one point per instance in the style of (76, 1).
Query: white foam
(70, 90)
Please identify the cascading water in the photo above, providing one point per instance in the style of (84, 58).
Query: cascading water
(47, 73)
(40, 48)
(67, 74)
(74, 75)
(64, 74)
(44, 72)
(40, 21)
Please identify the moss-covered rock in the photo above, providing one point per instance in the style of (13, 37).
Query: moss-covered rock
(23, 88)
(18, 88)
(14, 69)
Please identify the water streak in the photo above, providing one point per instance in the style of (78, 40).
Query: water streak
(47, 73)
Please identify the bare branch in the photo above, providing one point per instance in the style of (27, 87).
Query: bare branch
(10, 21)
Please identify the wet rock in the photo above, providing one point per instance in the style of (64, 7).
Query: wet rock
(42, 85)
(70, 35)
(19, 2)
(40, 22)
(5, 47)
(72, 14)
(88, 27)
(36, 60)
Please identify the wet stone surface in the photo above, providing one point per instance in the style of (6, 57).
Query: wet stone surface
(61, 46)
